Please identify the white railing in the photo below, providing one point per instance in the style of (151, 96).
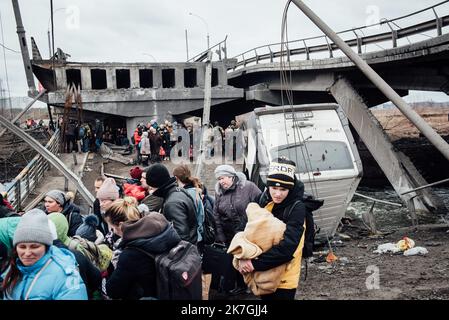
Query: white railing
(25, 182)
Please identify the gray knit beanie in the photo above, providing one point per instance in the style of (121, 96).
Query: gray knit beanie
(57, 195)
(33, 227)
(225, 170)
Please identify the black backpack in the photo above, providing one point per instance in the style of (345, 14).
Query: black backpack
(311, 204)
(209, 222)
(178, 272)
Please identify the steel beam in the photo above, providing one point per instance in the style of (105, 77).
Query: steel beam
(24, 47)
(410, 114)
(50, 157)
(379, 145)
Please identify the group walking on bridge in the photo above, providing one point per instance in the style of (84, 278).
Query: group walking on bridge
(121, 249)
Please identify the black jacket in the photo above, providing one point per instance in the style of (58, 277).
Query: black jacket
(230, 208)
(102, 226)
(283, 252)
(179, 209)
(72, 213)
(88, 272)
(135, 275)
(5, 212)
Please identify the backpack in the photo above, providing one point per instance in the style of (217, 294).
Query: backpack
(178, 272)
(209, 222)
(199, 210)
(81, 133)
(100, 255)
(311, 204)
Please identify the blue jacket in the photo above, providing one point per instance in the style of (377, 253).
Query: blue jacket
(60, 280)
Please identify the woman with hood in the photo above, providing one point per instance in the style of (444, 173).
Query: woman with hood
(233, 193)
(145, 148)
(283, 199)
(37, 269)
(56, 201)
(135, 274)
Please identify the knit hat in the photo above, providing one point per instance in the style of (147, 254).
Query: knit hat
(108, 190)
(57, 195)
(157, 175)
(33, 227)
(224, 170)
(88, 230)
(281, 173)
(136, 173)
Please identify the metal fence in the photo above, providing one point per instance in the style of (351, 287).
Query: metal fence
(25, 182)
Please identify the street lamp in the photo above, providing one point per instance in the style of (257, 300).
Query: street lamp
(149, 55)
(48, 32)
(205, 23)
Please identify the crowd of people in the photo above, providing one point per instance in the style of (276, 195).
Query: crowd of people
(109, 253)
(152, 142)
(83, 137)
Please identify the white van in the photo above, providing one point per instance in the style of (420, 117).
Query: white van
(317, 137)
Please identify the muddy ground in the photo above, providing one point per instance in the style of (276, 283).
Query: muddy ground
(353, 276)
(359, 273)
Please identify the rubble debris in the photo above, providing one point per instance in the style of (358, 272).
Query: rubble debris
(108, 153)
(405, 244)
(387, 248)
(416, 251)
(331, 257)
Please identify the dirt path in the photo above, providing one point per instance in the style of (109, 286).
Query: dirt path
(399, 277)
(353, 276)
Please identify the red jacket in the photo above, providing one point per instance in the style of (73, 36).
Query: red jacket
(137, 138)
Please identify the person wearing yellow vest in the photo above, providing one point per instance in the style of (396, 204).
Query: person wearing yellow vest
(281, 198)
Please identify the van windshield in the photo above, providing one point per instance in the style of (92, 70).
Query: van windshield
(316, 155)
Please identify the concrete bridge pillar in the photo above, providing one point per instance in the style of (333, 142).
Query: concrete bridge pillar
(222, 74)
(179, 78)
(110, 78)
(401, 174)
(61, 78)
(86, 79)
(157, 77)
(200, 76)
(134, 78)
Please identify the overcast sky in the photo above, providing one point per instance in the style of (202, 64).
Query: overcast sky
(149, 30)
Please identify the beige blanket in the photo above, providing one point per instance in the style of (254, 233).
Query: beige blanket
(262, 231)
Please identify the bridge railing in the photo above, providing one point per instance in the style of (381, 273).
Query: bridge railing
(28, 179)
(356, 37)
(220, 50)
